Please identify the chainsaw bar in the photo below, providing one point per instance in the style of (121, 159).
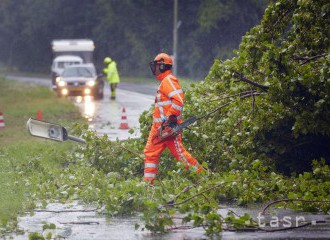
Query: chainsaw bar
(185, 124)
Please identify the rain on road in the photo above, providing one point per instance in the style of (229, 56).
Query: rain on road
(106, 116)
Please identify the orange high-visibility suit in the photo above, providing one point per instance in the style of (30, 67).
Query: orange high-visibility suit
(169, 101)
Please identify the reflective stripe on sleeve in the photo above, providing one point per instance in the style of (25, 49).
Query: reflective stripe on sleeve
(163, 103)
(161, 111)
(149, 175)
(174, 88)
(171, 94)
(157, 120)
(151, 165)
(177, 107)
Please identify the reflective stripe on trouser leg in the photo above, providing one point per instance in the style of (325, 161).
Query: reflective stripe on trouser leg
(152, 153)
(180, 153)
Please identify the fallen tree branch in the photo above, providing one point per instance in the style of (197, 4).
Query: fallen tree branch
(291, 200)
(234, 95)
(130, 151)
(181, 228)
(312, 58)
(226, 104)
(184, 190)
(201, 193)
(245, 79)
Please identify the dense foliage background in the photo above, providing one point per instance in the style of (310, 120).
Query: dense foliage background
(278, 92)
(131, 32)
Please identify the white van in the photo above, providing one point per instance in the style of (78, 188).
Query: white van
(83, 48)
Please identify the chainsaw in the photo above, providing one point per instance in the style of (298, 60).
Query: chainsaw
(165, 132)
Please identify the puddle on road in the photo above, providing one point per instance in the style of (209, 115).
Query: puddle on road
(87, 107)
(91, 225)
(106, 116)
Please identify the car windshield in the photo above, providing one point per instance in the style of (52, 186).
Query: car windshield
(79, 72)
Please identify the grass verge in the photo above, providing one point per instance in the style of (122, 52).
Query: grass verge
(19, 102)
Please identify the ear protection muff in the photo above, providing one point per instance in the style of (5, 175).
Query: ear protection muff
(162, 67)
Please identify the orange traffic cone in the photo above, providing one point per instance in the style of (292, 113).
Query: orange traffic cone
(124, 123)
(39, 115)
(2, 121)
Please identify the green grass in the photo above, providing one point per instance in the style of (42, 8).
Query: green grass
(19, 102)
(14, 197)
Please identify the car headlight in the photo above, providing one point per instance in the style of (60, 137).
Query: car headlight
(87, 91)
(91, 83)
(61, 83)
(64, 91)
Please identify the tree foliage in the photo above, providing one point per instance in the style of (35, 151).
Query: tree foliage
(283, 64)
(131, 32)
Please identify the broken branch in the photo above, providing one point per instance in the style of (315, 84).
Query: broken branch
(245, 79)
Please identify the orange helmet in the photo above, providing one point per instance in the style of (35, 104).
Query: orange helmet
(163, 60)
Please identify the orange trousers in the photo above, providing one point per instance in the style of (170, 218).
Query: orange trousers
(152, 153)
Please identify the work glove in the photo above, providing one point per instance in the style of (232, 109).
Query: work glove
(171, 121)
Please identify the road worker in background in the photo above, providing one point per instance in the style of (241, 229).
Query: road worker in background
(167, 113)
(112, 75)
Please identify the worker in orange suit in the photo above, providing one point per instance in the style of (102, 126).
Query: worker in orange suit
(168, 110)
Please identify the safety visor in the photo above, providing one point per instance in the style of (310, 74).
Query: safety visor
(152, 66)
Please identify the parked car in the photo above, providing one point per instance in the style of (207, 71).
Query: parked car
(60, 63)
(80, 80)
